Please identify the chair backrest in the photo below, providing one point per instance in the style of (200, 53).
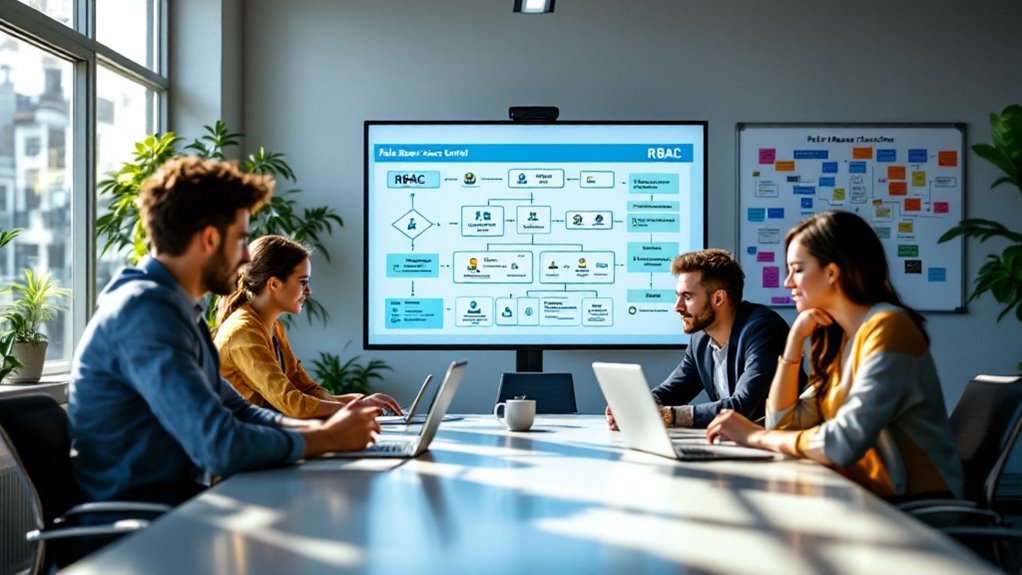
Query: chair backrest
(553, 392)
(37, 428)
(986, 424)
(21, 513)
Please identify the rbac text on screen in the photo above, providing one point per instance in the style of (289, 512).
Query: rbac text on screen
(663, 153)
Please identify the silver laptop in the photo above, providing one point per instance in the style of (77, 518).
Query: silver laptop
(628, 395)
(409, 417)
(414, 446)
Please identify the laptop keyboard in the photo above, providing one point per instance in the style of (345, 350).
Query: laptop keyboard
(396, 447)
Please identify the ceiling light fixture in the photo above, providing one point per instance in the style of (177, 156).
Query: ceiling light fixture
(534, 6)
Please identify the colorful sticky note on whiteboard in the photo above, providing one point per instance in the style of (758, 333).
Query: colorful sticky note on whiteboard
(913, 204)
(895, 172)
(862, 153)
(765, 257)
(948, 158)
(784, 165)
(771, 277)
(905, 227)
(767, 155)
(941, 207)
(839, 194)
(897, 188)
(918, 179)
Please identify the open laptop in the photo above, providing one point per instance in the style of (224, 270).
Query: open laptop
(628, 395)
(409, 417)
(414, 446)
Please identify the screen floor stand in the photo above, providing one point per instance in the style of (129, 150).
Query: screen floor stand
(529, 360)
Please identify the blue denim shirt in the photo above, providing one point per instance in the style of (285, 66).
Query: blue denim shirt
(148, 409)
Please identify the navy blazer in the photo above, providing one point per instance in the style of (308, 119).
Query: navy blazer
(757, 339)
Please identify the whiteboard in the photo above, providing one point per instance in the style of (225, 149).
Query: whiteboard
(906, 180)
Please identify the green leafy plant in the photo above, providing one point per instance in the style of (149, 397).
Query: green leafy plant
(8, 362)
(36, 300)
(351, 376)
(1001, 275)
(121, 228)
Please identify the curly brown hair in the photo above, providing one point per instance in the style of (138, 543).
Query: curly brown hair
(187, 194)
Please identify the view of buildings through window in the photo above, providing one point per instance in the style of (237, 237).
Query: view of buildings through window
(38, 127)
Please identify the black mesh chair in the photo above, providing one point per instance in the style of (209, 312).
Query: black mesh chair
(34, 435)
(985, 424)
(553, 392)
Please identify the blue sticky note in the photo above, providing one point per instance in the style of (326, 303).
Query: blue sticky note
(829, 167)
(828, 182)
(803, 190)
(806, 203)
(751, 250)
(775, 213)
(917, 155)
(757, 214)
(936, 274)
(887, 155)
(856, 167)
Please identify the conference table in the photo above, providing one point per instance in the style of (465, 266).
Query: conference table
(565, 497)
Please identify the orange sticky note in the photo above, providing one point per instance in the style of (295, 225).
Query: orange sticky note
(897, 188)
(862, 153)
(895, 172)
(784, 165)
(913, 204)
(947, 158)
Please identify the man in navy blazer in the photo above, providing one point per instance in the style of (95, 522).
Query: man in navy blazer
(734, 347)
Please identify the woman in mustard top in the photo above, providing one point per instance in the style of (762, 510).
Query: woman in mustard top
(874, 409)
(255, 356)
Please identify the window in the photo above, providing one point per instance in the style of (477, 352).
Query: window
(48, 74)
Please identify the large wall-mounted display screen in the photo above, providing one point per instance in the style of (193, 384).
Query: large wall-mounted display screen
(506, 235)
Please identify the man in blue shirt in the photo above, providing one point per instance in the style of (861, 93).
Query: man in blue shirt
(150, 416)
(733, 353)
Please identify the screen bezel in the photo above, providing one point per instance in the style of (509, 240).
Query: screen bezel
(368, 124)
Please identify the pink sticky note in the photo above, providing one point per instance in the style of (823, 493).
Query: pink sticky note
(771, 277)
(767, 155)
(765, 257)
(941, 207)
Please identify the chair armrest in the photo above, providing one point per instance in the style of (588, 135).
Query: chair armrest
(946, 516)
(909, 506)
(993, 532)
(117, 528)
(118, 507)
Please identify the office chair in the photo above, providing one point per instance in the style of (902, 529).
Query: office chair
(985, 425)
(553, 392)
(34, 436)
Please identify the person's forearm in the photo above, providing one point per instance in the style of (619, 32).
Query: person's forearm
(293, 423)
(347, 397)
(784, 388)
(773, 440)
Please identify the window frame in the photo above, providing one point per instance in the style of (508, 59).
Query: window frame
(78, 46)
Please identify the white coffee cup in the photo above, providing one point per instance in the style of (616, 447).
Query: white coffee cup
(518, 413)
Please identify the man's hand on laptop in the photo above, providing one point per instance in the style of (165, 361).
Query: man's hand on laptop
(611, 423)
(352, 428)
(383, 401)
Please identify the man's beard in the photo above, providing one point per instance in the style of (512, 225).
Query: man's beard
(217, 277)
(701, 321)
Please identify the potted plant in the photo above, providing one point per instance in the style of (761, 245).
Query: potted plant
(121, 228)
(350, 376)
(36, 300)
(1001, 275)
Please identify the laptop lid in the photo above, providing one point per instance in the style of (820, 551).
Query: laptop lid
(441, 401)
(627, 393)
(418, 398)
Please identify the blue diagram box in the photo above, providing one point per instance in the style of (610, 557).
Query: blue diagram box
(917, 155)
(654, 206)
(775, 213)
(803, 190)
(653, 183)
(757, 214)
(856, 167)
(751, 250)
(654, 223)
(806, 203)
(811, 154)
(413, 265)
(828, 182)
(936, 274)
(651, 257)
(415, 313)
(652, 296)
(887, 155)
(413, 179)
(829, 167)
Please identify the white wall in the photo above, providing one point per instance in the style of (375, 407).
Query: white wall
(315, 70)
